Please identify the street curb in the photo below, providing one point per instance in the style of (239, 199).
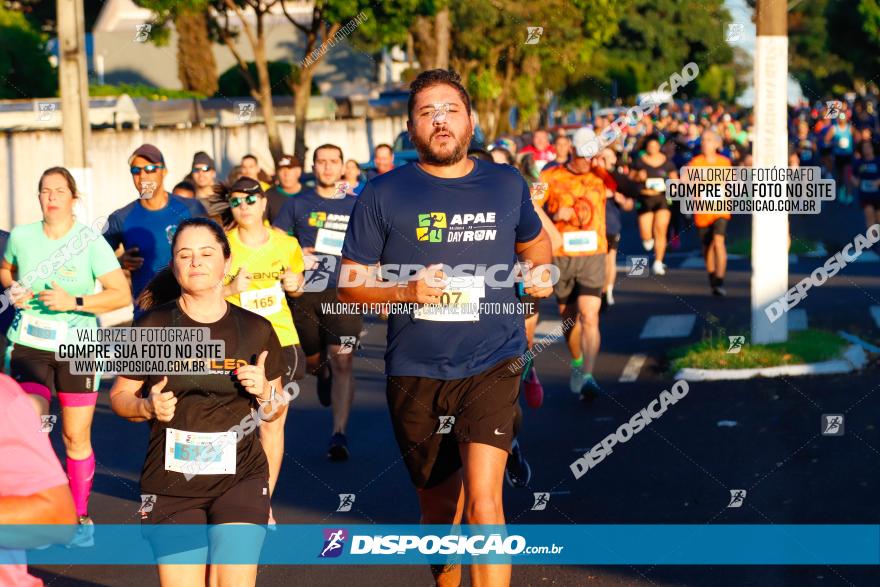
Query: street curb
(853, 358)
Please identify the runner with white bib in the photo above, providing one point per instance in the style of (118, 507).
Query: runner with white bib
(50, 269)
(576, 202)
(453, 367)
(204, 462)
(267, 266)
(318, 218)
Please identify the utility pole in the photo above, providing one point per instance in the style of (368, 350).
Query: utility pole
(74, 86)
(770, 149)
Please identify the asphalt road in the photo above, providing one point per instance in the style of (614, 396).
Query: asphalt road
(678, 471)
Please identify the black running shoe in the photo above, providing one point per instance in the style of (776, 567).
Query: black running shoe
(338, 450)
(517, 472)
(325, 386)
(590, 389)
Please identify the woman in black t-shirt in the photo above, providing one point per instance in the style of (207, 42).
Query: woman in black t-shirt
(652, 170)
(204, 464)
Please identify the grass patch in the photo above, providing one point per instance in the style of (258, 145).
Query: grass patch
(803, 346)
(744, 247)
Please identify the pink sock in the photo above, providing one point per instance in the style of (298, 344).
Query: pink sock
(80, 473)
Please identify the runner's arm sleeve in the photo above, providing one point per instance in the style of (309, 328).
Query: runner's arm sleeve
(113, 235)
(529, 225)
(365, 237)
(275, 367)
(296, 262)
(9, 253)
(102, 259)
(284, 220)
(28, 462)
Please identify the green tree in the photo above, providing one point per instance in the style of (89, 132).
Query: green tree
(367, 25)
(489, 48)
(233, 83)
(659, 37)
(25, 71)
(834, 46)
(196, 66)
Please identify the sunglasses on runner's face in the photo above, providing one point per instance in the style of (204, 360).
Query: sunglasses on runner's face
(147, 168)
(202, 168)
(249, 200)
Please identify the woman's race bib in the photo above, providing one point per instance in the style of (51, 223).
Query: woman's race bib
(200, 453)
(41, 332)
(868, 185)
(656, 183)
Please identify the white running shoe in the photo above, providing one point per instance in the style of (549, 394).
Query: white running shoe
(85, 534)
(658, 268)
(575, 380)
(648, 244)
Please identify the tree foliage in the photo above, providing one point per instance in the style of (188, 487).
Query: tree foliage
(25, 71)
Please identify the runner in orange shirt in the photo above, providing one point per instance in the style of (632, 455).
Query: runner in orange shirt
(713, 227)
(575, 201)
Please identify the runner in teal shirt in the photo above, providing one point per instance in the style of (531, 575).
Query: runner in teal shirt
(49, 272)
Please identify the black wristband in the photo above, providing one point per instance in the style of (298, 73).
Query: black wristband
(79, 303)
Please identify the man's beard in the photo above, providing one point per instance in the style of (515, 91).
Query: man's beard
(426, 155)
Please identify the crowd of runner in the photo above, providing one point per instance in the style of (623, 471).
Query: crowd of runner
(261, 261)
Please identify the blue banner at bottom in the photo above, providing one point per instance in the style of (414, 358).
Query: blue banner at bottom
(415, 544)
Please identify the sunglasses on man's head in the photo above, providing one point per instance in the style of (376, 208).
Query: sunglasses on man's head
(249, 200)
(202, 168)
(147, 168)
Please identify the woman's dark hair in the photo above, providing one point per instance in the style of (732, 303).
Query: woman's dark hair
(528, 169)
(482, 154)
(63, 172)
(164, 288)
(508, 156)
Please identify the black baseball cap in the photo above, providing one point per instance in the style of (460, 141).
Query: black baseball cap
(149, 152)
(289, 161)
(245, 185)
(202, 158)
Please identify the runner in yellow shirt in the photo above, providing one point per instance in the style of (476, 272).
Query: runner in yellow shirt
(267, 265)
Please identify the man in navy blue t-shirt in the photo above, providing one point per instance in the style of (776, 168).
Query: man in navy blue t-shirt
(454, 344)
(318, 218)
(144, 227)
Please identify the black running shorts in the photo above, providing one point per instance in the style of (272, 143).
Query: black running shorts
(483, 407)
(317, 328)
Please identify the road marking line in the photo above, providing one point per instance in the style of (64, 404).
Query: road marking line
(875, 314)
(867, 257)
(693, 262)
(669, 326)
(797, 319)
(632, 368)
(546, 331)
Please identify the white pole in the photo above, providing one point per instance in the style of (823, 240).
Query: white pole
(74, 87)
(770, 149)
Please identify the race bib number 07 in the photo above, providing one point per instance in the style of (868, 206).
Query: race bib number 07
(460, 301)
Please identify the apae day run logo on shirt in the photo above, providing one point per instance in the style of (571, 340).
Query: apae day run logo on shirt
(169, 232)
(317, 219)
(467, 227)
